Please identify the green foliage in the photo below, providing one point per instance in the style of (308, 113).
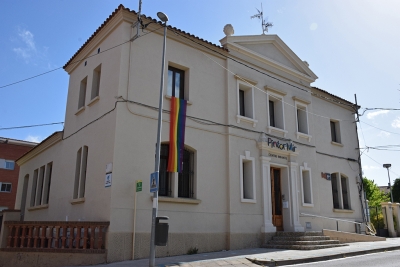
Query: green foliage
(374, 195)
(376, 217)
(192, 250)
(396, 190)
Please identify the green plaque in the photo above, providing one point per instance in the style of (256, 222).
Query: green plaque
(139, 186)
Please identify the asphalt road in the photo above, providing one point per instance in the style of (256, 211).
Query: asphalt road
(383, 259)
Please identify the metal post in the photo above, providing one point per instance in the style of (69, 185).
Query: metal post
(157, 163)
(390, 186)
(337, 226)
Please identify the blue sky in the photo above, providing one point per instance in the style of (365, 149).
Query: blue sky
(352, 46)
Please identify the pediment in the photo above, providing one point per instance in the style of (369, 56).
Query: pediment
(270, 49)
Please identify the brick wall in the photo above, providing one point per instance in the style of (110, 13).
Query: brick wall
(10, 152)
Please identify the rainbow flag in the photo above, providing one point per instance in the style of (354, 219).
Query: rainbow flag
(176, 134)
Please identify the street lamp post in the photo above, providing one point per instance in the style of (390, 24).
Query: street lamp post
(163, 18)
(387, 166)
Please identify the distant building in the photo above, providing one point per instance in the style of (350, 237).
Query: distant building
(10, 151)
(385, 189)
(264, 149)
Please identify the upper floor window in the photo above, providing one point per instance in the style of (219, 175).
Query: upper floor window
(82, 93)
(276, 115)
(5, 187)
(182, 182)
(301, 107)
(96, 82)
(41, 185)
(80, 172)
(335, 131)
(176, 83)
(245, 103)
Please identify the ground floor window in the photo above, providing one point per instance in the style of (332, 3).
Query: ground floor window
(340, 191)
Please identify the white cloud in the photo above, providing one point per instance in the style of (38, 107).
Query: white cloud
(396, 123)
(35, 139)
(383, 134)
(313, 26)
(369, 167)
(29, 47)
(372, 115)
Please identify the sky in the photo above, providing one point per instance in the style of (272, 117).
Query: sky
(351, 45)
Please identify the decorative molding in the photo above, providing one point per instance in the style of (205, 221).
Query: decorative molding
(79, 111)
(41, 207)
(243, 79)
(178, 200)
(189, 103)
(302, 100)
(77, 201)
(246, 119)
(306, 136)
(274, 90)
(94, 100)
(336, 144)
(278, 130)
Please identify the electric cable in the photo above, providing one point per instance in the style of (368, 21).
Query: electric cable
(379, 128)
(29, 126)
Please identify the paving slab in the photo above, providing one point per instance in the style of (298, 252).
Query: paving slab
(263, 256)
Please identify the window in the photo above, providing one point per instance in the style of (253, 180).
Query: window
(82, 93)
(335, 131)
(7, 164)
(5, 187)
(245, 96)
(345, 195)
(80, 172)
(176, 83)
(41, 185)
(247, 178)
(306, 184)
(184, 180)
(96, 82)
(335, 192)
(302, 123)
(271, 113)
(275, 107)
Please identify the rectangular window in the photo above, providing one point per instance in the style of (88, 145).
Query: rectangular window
(271, 113)
(306, 185)
(276, 112)
(96, 82)
(335, 131)
(185, 178)
(10, 165)
(247, 178)
(41, 185)
(80, 172)
(302, 123)
(335, 192)
(245, 100)
(82, 93)
(176, 83)
(345, 195)
(241, 103)
(5, 187)
(34, 186)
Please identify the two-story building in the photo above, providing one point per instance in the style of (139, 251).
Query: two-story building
(263, 148)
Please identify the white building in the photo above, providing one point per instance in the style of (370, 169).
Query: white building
(259, 138)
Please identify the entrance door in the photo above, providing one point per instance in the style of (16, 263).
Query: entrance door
(276, 197)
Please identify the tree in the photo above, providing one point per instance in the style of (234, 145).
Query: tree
(396, 190)
(374, 195)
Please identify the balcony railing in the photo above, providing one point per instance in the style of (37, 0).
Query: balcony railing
(56, 236)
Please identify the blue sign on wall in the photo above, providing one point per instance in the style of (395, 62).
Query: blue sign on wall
(154, 182)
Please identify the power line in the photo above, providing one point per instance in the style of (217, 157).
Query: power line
(379, 128)
(29, 126)
(381, 165)
(77, 61)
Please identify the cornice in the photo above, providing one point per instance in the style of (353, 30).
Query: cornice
(51, 141)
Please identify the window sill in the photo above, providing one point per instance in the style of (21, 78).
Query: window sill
(94, 100)
(77, 201)
(80, 110)
(246, 119)
(306, 136)
(179, 200)
(271, 128)
(248, 201)
(41, 207)
(308, 205)
(343, 211)
(336, 144)
(189, 103)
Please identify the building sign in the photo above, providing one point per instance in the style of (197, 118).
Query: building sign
(139, 186)
(276, 156)
(281, 146)
(326, 175)
(154, 182)
(108, 180)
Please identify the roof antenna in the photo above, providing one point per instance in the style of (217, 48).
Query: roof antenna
(138, 23)
(264, 25)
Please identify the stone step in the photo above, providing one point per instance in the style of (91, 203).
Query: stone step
(306, 243)
(304, 247)
(300, 238)
(310, 233)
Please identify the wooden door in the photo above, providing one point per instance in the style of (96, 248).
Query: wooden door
(276, 198)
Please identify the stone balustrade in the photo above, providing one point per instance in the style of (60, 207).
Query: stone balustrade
(56, 236)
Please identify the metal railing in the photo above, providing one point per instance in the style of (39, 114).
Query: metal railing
(334, 219)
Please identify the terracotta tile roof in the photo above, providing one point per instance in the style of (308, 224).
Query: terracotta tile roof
(338, 98)
(122, 8)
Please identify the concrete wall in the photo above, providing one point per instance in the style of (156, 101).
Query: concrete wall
(346, 237)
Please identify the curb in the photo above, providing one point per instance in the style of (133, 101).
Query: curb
(321, 258)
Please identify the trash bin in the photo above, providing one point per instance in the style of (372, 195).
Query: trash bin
(161, 231)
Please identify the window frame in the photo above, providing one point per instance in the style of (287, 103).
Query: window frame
(335, 132)
(340, 194)
(9, 162)
(245, 102)
(277, 97)
(303, 169)
(181, 82)
(247, 180)
(80, 173)
(82, 93)
(40, 187)
(96, 81)
(302, 105)
(5, 191)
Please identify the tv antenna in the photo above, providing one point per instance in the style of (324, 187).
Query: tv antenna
(264, 24)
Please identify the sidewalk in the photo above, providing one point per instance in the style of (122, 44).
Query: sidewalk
(267, 257)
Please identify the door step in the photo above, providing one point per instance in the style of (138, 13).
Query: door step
(302, 241)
